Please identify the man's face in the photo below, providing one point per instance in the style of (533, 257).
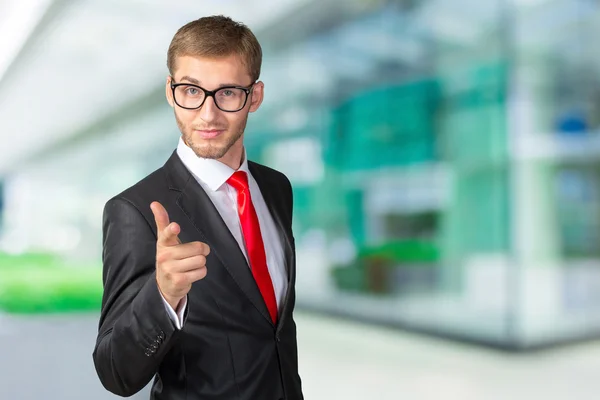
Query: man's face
(209, 131)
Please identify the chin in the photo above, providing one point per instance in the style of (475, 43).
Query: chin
(209, 151)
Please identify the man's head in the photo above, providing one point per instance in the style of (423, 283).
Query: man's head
(220, 57)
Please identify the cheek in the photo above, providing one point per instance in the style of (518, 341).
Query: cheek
(236, 121)
(185, 117)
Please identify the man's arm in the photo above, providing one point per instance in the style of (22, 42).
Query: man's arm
(135, 330)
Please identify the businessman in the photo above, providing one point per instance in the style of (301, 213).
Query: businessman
(199, 256)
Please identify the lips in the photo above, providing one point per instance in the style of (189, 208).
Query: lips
(209, 133)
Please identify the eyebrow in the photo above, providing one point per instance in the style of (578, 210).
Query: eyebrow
(197, 82)
(190, 79)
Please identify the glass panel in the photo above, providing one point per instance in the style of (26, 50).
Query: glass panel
(409, 220)
(555, 119)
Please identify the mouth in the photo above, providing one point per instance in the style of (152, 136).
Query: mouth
(209, 133)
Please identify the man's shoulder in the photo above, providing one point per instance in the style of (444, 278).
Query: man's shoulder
(269, 172)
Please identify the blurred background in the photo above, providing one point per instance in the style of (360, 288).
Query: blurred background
(445, 158)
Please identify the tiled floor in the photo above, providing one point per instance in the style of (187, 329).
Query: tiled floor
(50, 358)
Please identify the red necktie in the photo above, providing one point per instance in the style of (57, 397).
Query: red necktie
(254, 243)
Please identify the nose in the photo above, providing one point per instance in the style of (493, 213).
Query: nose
(209, 110)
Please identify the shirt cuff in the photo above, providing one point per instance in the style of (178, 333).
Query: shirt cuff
(176, 317)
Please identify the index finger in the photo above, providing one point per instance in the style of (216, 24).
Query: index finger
(161, 217)
(166, 232)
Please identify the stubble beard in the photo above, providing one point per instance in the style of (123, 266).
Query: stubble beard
(210, 148)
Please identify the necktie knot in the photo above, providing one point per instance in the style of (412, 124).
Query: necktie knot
(239, 180)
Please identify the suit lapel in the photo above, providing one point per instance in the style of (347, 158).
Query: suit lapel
(202, 213)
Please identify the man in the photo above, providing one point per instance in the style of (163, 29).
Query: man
(199, 256)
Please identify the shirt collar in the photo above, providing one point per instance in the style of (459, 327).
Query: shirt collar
(212, 172)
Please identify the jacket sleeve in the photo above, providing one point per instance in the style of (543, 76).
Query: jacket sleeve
(135, 331)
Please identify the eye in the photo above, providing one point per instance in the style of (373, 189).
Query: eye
(192, 91)
(227, 92)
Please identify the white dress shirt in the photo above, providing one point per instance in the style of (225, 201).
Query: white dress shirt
(212, 175)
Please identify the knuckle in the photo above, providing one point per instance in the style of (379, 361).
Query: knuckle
(203, 273)
(164, 278)
(199, 274)
(178, 281)
(163, 256)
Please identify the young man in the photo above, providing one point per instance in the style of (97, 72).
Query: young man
(199, 256)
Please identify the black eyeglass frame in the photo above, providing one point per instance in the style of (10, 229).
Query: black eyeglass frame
(211, 93)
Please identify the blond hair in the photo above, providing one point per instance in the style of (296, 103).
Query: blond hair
(216, 36)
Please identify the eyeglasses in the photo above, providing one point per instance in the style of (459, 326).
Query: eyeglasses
(228, 98)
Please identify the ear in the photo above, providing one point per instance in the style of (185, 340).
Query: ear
(169, 92)
(256, 96)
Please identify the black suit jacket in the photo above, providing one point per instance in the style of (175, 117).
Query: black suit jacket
(228, 347)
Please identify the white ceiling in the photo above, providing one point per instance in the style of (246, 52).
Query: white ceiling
(92, 57)
(17, 21)
(66, 65)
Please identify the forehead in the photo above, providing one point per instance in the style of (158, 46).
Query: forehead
(213, 71)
